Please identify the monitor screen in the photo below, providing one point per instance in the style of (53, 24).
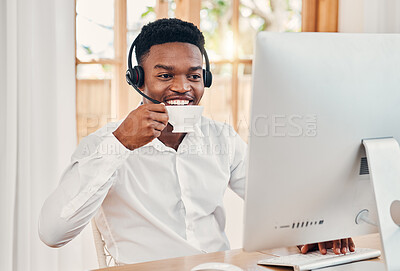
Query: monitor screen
(316, 96)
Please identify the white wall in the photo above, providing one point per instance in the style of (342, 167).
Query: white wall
(4, 213)
(351, 16)
(369, 16)
(3, 82)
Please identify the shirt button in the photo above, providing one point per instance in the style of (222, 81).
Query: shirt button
(190, 227)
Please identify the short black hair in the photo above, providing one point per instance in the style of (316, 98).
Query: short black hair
(166, 30)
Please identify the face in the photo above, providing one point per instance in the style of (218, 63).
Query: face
(173, 74)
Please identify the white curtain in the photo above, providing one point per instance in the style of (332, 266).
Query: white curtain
(369, 16)
(38, 129)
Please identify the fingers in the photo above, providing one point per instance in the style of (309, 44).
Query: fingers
(322, 248)
(343, 246)
(156, 107)
(160, 117)
(352, 246)
(156, 133)
(304, 249)
(158, 126)
(336, 246)
(299, 247)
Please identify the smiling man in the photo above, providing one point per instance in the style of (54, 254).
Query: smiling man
(173, 75)
(154, 194)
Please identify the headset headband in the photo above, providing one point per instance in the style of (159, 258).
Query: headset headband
(134, 44)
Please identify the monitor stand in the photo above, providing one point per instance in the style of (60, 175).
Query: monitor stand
(383, 157)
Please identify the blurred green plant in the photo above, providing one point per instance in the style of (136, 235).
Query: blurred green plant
(106, 68)
(87, 49)
(149, 10)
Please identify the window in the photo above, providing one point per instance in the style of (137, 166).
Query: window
(230, 28)
(104, 35)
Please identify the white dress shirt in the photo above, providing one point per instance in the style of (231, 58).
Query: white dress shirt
(150, 203)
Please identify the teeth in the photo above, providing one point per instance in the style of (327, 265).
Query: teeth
(177, 102)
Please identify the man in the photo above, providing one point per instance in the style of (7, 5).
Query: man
(154, 194)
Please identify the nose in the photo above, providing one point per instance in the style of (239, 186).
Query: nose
(180, 84)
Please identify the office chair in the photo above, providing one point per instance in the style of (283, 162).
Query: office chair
(101, 250)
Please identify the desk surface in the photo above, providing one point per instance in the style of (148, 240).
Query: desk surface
(245, 260)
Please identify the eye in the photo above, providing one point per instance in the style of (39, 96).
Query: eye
(165, 76)
(194, 77)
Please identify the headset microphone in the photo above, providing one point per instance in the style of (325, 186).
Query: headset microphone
(135, 75)
(128, 80)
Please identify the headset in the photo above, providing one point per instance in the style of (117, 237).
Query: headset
(135, 76)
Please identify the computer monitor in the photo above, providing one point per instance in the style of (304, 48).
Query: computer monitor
(316, 96)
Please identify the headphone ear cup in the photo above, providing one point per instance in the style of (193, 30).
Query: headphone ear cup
(207, 78)
(128, 77)
(139, 74)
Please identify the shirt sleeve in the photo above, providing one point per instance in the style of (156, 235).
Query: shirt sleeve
(237, 180)
(82, 189)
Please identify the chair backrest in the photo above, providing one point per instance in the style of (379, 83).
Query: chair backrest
(100, 245)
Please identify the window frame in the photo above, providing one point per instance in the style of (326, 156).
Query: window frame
(317, 16)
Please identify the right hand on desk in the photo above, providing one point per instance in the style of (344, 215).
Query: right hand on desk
(142, 125)
(338, 246)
